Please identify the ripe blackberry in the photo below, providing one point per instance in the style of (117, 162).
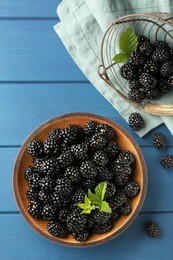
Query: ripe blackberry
(146, 48)
(131, 189)
(89, 128)
(101, 158)
(136, 59)
(163, 87)
(98, 141)
(100, 217)
(105, 130)
(112, 149)
(62, 215)
(110, 190)
(152, 93)
(49, 212)
(101, 229)
(73, 174)
(35, 208)
(78, 196)
(56, 229)
(48, 166)
(80, 151)
(76, 221)
(134, 84)
(66, 159)
(70, 133)
(38, 163)
(136, 95)
(29, 173)
(147, 80)
(47, 184)
(35, 148)
(128, 71)
(160, 54)
(115, 215)
(167, 161)
(160, 44)
(126, 157)
(51, 147)
(54, 134)
(88, 169)
(34, 181)
(117, 201)
(89, 184)
(81, 236)
(170, 81)
(152, 229)
(151, 67)
(159, 140)
(121, 178)
(104, 174)
(118, 168)
(136, 121)
(166, 69)
(59, 200)
(64, 147)
(64, 186)
(142, 39)
(125, 209)
(32, 193)
(44, 197)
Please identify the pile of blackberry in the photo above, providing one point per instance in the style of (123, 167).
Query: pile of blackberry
(149, 70)
(68, 163)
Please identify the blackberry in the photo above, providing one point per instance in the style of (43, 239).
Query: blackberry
(115, 215)
(159, 140)
(34, 182)
(124, 167)
(76, 221)
(70, 133)
(151, 67)
(62, 215)
(54, 134)
(78, 196)
(131, 189)
(100, 217)
(152, 229)
(151, 93)
(89, 128)
(128, 71)
(64, 147)
(104, 174)
(89, 184)
(161, 44)
(98, 141)
(51, 147)
(170, 81)
(105, 130)
(116, 202)
(160, 54)
(73, 174)
(35, 208)
(147, 80)
(81, 236)
(136, 95)
(121, 178)
(167, 161)
(88, 169)
(125, 209)
(29, 173)
(166, 69)
(112, 149)
(101, 229)
(134, 84)
(164, 87)
(80, 151)
(59, 200)
(64, 186)
(136, 59)
(56, 229)
(47, 184)
(32, 193)
(110, 190)
(146, 48)
(44, 197)
(66, 159)
(126, 157)
(38, 163)
(49, 212)
(48, 166)
(136, 121)
(142, 39)
(101, 158)
(35, 148)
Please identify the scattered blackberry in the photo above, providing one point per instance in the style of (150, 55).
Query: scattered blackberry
(66, 159)
(131, 189)
(89, 184)
(49, 212)
(151, 93)
(104, 174)
(159, 140)
(160, 54)
(70, 133)
(80, 151)
(163, 87)
(48, 166)
(88, 169)
(128, 71)
(167, 161)
(101, 158)
(151, 67)
(146, 48)
(76, 221)
(64, 186)
(73, 174)
(112, 149)
(29, 173)
(105, 130)
(136, 59)
(152, 229)
(35, 148)
(56, 229)
(126, 157)
(166, 69)
(136, 95)
(121, 178)
(89, 128)
(51, 147)
(98, 141)
(62, 215)
(136, 122)
(47, 184)
(78, 196)
(100, 217)
(110, 190)
(59, 200)
(32, 193)
(101, 229)
(125, 209)
(35, 208)
(147, 80)
(81, 236)
(134, 84)
(116, 202)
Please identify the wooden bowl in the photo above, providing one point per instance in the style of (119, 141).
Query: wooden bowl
(20, 185)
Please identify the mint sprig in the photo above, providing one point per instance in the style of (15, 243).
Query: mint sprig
(128, 43)
(95, 201)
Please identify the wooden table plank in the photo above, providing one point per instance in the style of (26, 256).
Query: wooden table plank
(23, 8)
(24, 243)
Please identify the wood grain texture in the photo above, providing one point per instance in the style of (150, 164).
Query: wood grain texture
(132, 244)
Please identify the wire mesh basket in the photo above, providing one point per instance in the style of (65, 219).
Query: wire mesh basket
(155, 26)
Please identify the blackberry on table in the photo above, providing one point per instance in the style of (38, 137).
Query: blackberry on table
(66, 159)
(35, 208)
(90, 128)
(49, 212)
(35, 148)
(112, 149)
(101, 158)
(152, 229)
(100, 217)
(59, 200)
(136, 59)
(81, 236)
(73, 174)
(136, 121)
(146, 48)
(131, 189)
(88, 169)
(80, 151)
(104, 174)
(97, 141)
(64, 186)
(78, 196)
(160, 54)
(166, 69)
(105, 130)
(128, 71)
(167, 161)
(147, 80)
(159, 140)
(56, 229)
(125, 209)
(136, 95)
(51, 147)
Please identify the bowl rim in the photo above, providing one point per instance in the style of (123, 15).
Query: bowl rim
(58, 240)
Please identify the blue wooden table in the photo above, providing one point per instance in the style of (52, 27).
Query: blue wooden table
(39, 80)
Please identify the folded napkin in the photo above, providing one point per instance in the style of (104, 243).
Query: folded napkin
(81, 28)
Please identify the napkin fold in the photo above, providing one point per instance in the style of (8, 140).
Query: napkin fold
(81, 28)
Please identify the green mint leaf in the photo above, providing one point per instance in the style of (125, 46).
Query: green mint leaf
(100, 190)
(128, 41)
(86, 211)
(105, 207)
(82, 205)
(87, 201)
(121, 57)
(94, 199)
